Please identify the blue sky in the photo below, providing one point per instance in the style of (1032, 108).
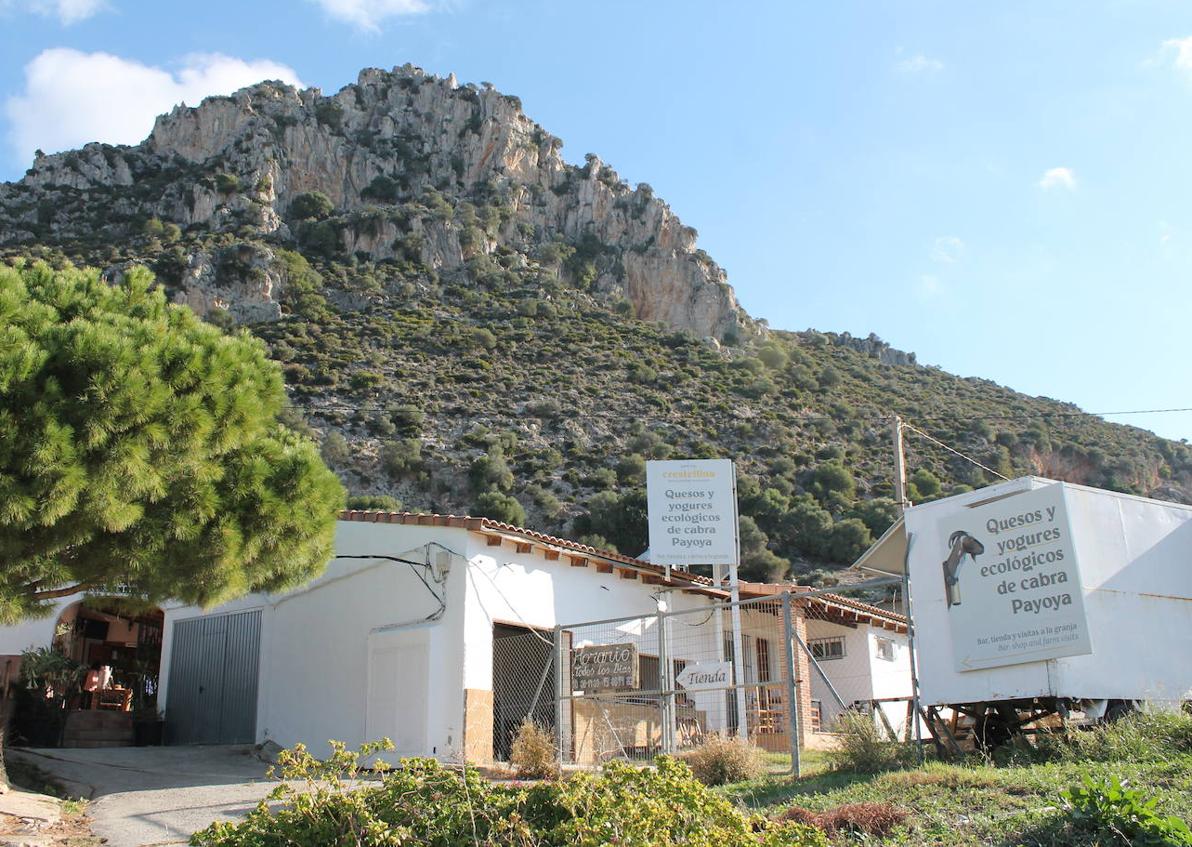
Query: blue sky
(1004, 190)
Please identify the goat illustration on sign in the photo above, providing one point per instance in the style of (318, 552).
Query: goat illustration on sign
(962, 544)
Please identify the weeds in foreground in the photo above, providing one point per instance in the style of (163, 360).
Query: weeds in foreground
(719, 761)
(863, 819)
(1108, 810)
(424, 802)
(533, 752)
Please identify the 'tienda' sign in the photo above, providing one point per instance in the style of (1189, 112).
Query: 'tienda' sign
(693, 512)
(1012, 582)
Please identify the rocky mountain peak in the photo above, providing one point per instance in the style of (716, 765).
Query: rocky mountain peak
(250, 163)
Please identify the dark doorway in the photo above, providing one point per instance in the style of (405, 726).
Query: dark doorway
(523, 683)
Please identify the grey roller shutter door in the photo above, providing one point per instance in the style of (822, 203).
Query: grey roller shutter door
(214, 668)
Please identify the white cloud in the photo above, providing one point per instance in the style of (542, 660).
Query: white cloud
(1058, 178)
(368, 15)
(947, 249)
(66, 11)
(919, 64)
(1178, 53)
(71, 98)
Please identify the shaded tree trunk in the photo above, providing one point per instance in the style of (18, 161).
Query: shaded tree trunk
(3, 741)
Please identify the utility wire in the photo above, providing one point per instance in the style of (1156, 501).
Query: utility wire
(986, 468)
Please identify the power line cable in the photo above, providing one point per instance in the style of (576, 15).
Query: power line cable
(936, 441)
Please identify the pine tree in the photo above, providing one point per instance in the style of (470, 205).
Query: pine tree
(141, 448)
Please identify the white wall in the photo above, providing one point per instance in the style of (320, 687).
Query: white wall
(851, 675)
(35, 633)
(525, 589)
(891, 678)
(315, 643)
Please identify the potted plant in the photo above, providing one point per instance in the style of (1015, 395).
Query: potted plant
(148, 725)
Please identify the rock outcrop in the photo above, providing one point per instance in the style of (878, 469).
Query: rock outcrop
(388, 140)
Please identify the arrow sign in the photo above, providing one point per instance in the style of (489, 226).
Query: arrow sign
(703, 676)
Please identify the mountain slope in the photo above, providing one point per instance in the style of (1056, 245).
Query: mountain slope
(472, 324)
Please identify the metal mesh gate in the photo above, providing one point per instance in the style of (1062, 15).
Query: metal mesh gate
(635, 687)
(523, 683)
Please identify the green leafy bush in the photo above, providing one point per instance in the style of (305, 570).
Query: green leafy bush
(313, 205)
(421, 802)
(501, 507)
(227, 183)
(374, 502)
(1120, 815)
(719, 761)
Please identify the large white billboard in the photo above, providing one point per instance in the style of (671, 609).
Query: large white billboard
(1012, 582)
(693, 512)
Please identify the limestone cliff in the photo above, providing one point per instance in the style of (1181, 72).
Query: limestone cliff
(237, 164)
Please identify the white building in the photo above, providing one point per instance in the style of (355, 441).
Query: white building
(432, 630)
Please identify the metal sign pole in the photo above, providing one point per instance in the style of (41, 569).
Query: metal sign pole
(561, 732)
(734, 589)
(910, 645)
(792, 693)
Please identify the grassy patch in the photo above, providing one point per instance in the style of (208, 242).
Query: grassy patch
(982, 803)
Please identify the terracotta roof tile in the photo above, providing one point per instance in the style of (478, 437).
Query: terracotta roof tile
(701, 583)
(489, 525)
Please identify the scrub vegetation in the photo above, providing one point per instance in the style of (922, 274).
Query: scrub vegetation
(507, 389)
(1128, 783)
(422, 802)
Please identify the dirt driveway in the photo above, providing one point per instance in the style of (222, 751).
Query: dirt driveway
(156, 795)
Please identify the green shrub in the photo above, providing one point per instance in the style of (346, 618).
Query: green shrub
(862, 747)
(1107, 810)
(227, 183)
(719, 760)
(400, 458)
(421, 802)
(501, 507)
(374, 502)
(533, 752)
(335, 448)
(313, 205)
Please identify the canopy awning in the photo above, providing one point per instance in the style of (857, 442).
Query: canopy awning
(887, 555)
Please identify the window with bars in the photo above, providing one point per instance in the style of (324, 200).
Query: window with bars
(824, 649)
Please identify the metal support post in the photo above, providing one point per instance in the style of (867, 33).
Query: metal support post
(559, 696)
(910, 645)
(792, 692)
(734, 592)
(666, 682)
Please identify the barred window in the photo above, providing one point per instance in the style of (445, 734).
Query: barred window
(824, 649)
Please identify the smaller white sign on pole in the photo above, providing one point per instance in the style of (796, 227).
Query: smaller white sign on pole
(705, 676)
(693, 521)
(692, 512)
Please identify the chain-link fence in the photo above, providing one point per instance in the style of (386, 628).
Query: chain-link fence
(634, 687)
